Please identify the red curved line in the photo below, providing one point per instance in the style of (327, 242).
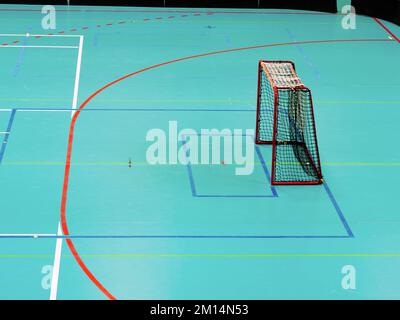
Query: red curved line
(75, 117)
(387, 29)
(180, 11)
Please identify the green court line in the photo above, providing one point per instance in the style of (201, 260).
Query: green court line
(128, 100)
(206, 255)
(192, 22)
(359, 102)
(200, 100)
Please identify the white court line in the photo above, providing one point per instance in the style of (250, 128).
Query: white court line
(33, 235)
(4, 132)
(77, 76)
(38, 35)
(46, 47)
(57, 255)
(58, 250)
(43, 110)
(56, 265)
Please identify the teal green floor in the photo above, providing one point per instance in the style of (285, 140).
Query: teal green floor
(174, 232)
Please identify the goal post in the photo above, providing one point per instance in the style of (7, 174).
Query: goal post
(285, 119)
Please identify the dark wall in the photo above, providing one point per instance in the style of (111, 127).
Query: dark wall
(316, 5)
(385, 9)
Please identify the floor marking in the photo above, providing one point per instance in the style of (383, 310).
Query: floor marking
(20, 56)
(231, 50)
(7, 135)
(265, 169)
(77, 256)
(207, 255)
(63, 209)
(77, 76)
(26, 235)
(249, 101)
(56, 265)
(387, 29)
(305, 56)
(46, 110)
(46, 47)
(338, 210)
(84, 255)
(38, 35)
(242, 255)
(208, 12)
(261, 162)
(133, 109)
(144, 163)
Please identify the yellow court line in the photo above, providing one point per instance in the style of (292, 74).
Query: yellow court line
(395, 102)
(201, 100)
(128, 100)
(125, 163)
(216, 255)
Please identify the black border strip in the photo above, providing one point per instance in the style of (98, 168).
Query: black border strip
(314, 5)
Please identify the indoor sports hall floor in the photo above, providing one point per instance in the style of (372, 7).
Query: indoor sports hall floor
(198, 232)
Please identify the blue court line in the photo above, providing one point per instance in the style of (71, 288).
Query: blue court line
(174, 237)
(338, 210)
(234, 196)
(194, 190)
(21, 56)
(6, 135)
(95, 39)
(328, 191)
(191, 180)
(306, 58)
(136, 109)
(275, 194)
(197, 195)
(265, 168)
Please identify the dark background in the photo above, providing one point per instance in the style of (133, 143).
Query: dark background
(317, 5)
(384, 9)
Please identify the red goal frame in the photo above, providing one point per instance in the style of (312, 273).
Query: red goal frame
(317, 166)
